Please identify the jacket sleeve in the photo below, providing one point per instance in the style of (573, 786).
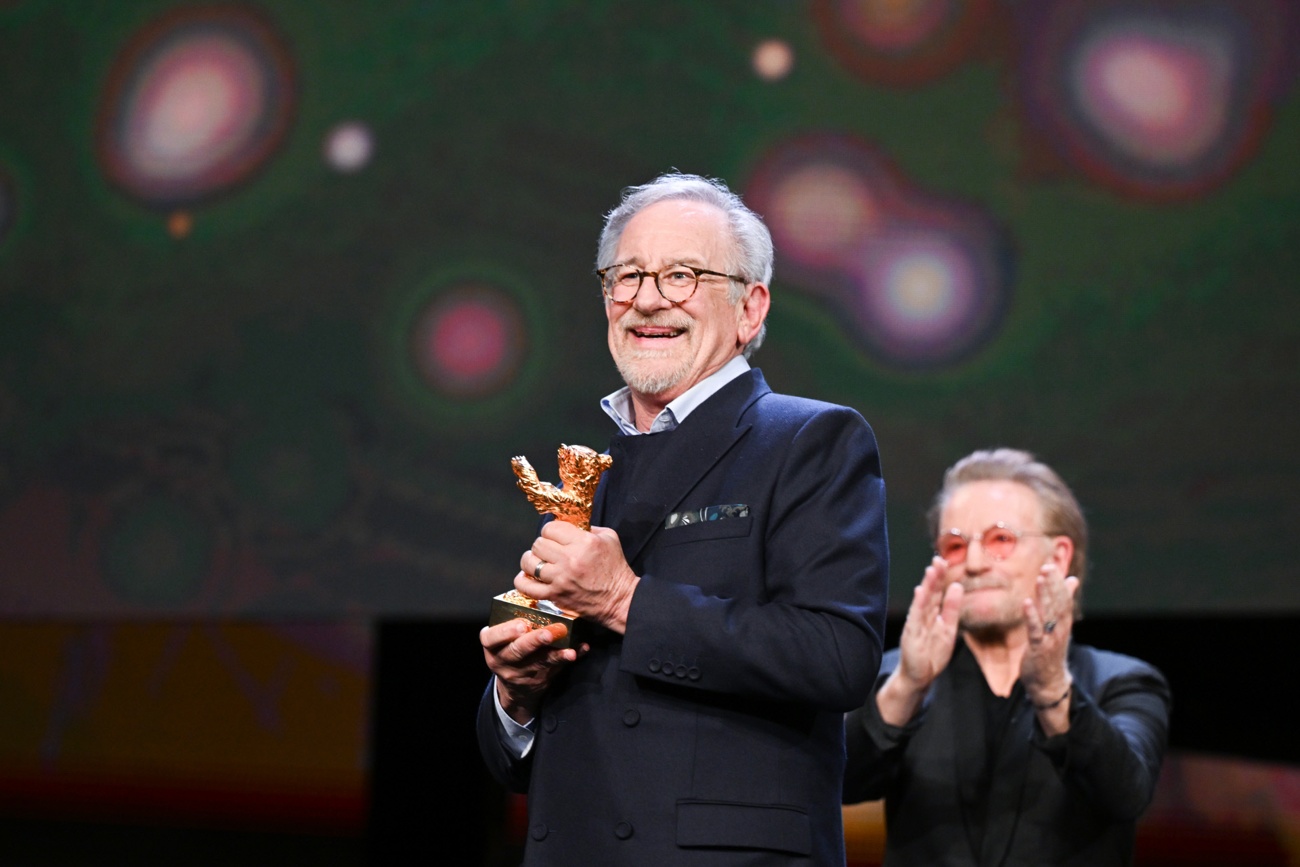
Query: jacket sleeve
(812, 631)
(507, 770)
(874, 747)
(1119, 728)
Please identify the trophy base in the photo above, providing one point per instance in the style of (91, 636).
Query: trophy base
(513, 605)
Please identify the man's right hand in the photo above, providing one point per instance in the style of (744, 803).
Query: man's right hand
(524, 663)
(925, 645)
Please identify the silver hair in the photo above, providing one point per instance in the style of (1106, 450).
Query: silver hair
(751, 241)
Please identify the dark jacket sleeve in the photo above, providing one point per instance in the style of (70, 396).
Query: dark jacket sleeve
(1119, 728)
(505, 768)
(874, 747)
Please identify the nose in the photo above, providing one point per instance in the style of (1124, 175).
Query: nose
(648, 297)
(977, 560)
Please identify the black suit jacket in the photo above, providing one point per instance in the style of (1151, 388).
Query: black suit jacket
(712, 731)
(1072, 799)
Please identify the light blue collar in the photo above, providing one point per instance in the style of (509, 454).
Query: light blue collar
(618, 405)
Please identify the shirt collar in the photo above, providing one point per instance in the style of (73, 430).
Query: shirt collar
(618, 405)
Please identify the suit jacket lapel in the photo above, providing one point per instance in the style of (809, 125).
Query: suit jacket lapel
(690, 451)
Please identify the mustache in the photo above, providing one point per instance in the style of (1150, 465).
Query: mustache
(982, 584)
(633, 319)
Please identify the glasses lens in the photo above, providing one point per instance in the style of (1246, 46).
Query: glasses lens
(999, 542)
(622, 282)
(952, 547)
(677, 282)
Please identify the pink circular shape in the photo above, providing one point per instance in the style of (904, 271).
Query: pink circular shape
(196, 102)
(920, 280)
(199, 104)
(819, 212)
(895, 25)
(1162, 100)
(902, 42)
(469, 341)
(349, 146)
(920, 293)
(773, 59)
(1157, 100)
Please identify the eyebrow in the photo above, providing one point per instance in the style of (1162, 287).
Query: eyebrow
(693, 261)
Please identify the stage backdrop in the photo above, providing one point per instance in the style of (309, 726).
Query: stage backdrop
(284, 285)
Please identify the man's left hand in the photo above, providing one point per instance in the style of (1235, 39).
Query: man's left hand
(1049, 616)
(581, 571)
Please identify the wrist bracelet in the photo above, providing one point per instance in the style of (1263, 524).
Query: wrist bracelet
(1069, 689)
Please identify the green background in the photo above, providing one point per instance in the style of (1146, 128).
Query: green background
(229, 423)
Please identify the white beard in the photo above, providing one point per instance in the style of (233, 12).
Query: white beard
(652, 378)
(647, 381)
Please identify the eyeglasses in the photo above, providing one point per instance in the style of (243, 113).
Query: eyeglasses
(999, 541)
(676, 283)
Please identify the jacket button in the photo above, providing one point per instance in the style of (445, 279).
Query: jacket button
(539, 831)
(631, 717)
(654, 665)
(693, 672)
(623, 830)
(680, 671)
(550, 723)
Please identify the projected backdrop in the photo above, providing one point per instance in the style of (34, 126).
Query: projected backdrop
(284, 285)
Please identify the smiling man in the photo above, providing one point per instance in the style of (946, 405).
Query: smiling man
(992, 738)
(736, 569)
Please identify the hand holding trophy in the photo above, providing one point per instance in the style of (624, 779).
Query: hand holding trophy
(580, 471)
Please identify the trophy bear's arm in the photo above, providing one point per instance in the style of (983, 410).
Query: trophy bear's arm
(524, 470)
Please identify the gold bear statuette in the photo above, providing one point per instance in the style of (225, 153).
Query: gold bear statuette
(580, 472)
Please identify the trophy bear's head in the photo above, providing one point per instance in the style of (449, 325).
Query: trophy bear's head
(581, 467)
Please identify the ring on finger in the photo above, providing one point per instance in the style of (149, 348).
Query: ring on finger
(537, 571)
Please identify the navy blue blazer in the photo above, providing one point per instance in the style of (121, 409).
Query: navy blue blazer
(712, 731)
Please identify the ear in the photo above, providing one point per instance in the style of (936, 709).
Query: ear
(1062, 554)
(751, 311)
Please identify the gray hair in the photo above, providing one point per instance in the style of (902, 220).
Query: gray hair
(1062, 515)
(751, 245)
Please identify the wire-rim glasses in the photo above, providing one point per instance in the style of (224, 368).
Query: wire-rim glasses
(999, 543)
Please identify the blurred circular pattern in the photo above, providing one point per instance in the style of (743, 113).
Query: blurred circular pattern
(773, 59)
(926, 298)
(195, 103)
(157, 553)
(179, 224)
(1152, 99)
(349, 146)
(920, 281)
(468, 342)
(460, 345)
(901, 42)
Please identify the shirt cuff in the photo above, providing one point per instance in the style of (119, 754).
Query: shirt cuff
(518, 739)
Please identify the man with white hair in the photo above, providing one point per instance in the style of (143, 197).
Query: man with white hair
(736, 569)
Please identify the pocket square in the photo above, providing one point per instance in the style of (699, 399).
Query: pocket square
(708, 513)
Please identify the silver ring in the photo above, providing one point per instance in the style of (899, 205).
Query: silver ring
(1049, 626)
(537, 574)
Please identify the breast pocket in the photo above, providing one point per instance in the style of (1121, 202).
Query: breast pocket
(726, 528)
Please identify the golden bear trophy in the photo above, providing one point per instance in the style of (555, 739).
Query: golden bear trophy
(580, 472)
